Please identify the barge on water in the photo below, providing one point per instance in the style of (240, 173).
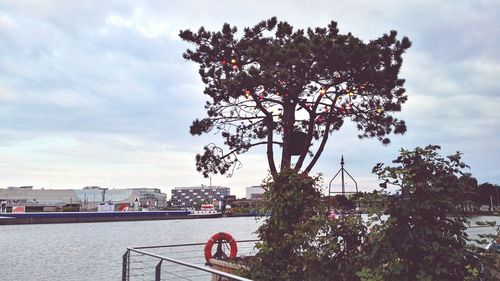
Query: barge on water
(82, 217)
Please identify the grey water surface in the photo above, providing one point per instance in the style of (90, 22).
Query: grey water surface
(93, 251)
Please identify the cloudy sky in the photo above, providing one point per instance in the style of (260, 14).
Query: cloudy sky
(97, 92)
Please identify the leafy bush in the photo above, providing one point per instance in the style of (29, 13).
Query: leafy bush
(424, 236)
(299, 242)
(419, 234)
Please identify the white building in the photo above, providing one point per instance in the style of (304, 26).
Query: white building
(255, 192)
(87, 198)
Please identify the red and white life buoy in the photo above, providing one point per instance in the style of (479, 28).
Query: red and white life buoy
(221, 237)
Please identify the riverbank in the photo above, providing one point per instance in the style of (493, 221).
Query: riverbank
(86, 217)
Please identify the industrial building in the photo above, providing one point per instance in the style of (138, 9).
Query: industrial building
(187, 197)
(86, 199)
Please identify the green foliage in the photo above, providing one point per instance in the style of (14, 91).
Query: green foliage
(274, 80)
(418, 234)
(424, 235)
(299, 242)
(341, 202)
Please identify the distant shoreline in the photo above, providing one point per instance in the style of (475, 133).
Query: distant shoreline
(85, 217)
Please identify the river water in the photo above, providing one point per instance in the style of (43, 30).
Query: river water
(93, 251)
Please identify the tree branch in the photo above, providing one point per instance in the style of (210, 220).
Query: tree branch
(270, 152)
(310, 131)
(320, 148)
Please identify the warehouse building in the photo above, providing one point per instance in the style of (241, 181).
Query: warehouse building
(86, 199)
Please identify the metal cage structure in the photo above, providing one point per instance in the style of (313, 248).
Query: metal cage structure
(342, 171)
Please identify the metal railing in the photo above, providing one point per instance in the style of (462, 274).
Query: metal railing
(187, 262)
(176, 262)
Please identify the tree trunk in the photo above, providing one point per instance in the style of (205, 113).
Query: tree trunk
(288, 127)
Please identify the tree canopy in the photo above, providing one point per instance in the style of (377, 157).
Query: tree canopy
(276, 84)
(487, 193)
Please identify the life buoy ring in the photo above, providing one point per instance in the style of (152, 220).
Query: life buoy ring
(219, 238)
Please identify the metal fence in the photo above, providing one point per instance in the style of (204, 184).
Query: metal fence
(177, 262)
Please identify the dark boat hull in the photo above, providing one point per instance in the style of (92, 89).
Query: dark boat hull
(84, 217)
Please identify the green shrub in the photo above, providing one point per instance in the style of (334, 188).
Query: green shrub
(424, 236)
(299, 242)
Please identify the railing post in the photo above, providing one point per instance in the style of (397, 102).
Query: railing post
(126, 266)
(158, 271)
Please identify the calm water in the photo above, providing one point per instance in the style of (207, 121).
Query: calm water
(93, 251)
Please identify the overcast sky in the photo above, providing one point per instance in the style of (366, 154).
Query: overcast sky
(97, 92)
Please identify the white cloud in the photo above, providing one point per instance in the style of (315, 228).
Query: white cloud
(6, 23)
(61, 161)
(140, 22)
(7, 95)
(98, 93)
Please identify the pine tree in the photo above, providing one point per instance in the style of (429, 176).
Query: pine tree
(275, 86)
